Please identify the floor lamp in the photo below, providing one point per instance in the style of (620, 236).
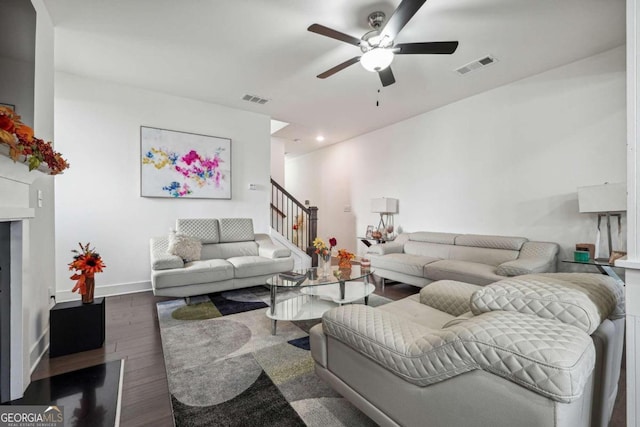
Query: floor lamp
(607, 200)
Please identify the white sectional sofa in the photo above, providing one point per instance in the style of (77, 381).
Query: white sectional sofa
(232, 256)
(422, 257)
(529, 351)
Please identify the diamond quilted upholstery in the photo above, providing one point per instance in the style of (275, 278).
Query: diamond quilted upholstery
(539, 250)
(597, 282)
(236, 229)
(205, 229)
(582, 300)
(449, 296)
(433, 237)
(546, 356)
(161, 259)
(535, 257)
(495, 242)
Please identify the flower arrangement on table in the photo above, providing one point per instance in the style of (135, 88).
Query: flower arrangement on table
(344, 258)
(86, 263)
(19, 137)
(324, 253)
(321, 247)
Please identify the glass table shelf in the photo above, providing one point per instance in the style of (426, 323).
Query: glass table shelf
(603, 267)
(318, 294)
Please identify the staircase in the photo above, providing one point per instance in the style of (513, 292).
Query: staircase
(295, 222)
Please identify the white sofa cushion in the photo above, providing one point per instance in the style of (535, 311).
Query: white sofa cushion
(236, 230)
(584, 302)
(193, 273)
(544, 355)
(449, 296)
(412, 309)
(402, 263)
(433, 237)
(205, 229)
(461, 271)
(250, 266)
(228, 250)
(494, 242)
(489, 256)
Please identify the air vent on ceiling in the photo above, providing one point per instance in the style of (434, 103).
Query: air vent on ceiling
(255, 99)
(476, 65)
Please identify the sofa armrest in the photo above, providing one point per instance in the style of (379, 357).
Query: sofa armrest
(448, 296)
(386, 248)
(523, 266)
(161, 259)
(318, 342)
(268, 249)
(503, 343)
(535, 257)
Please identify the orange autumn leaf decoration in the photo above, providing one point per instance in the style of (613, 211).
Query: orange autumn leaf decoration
(88, 262)
(21, 141)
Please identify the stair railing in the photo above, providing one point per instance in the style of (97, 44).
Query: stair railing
(296, 222)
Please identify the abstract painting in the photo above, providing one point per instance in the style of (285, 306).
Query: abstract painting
(184, 165)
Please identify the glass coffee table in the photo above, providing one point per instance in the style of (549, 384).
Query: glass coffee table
(317, 294)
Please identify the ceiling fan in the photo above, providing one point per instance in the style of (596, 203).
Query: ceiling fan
(377, 46)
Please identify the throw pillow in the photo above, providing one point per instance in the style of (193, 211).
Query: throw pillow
(186, 247)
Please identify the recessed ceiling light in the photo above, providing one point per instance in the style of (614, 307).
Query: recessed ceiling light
(319, 138)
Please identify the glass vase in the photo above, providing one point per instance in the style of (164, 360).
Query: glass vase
(90, 285)
(325, 265)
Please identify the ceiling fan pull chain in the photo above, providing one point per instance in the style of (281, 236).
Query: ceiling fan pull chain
(378, 99)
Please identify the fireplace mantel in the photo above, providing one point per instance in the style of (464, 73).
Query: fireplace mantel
(18, 171)
(15, 179)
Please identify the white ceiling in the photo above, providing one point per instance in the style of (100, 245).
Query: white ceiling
(218, 51)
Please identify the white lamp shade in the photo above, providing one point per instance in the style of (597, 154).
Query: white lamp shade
(602, 198)
(384, 205)
(376, 59)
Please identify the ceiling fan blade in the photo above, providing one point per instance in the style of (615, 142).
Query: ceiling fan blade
(328, 32)
(339, 67)
(400, 17)
(445, 48)
(386, 76)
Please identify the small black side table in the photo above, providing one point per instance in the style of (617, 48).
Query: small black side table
(74, 327)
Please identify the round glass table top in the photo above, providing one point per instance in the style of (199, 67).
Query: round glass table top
(313, 276)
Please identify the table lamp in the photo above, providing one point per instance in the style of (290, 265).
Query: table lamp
(606, 200)
(386, 207)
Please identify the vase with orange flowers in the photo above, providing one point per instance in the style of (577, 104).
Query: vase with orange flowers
(344, 259)
(324, 255)
(86, 263)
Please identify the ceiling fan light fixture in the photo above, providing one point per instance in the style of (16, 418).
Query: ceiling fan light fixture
(376, 59)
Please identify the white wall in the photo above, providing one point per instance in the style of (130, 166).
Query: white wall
(42, 260)
(507, 161)
(98, 199)
(277, 159)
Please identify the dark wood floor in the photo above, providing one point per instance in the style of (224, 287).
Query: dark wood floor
(132, 333)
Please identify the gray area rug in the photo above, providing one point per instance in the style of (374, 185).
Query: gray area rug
(226, 369)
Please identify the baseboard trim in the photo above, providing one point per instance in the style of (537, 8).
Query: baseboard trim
(107, 290)
(38, 350)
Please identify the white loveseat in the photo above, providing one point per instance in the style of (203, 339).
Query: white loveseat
(423, 257)
(232, 256)
(528, 351)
